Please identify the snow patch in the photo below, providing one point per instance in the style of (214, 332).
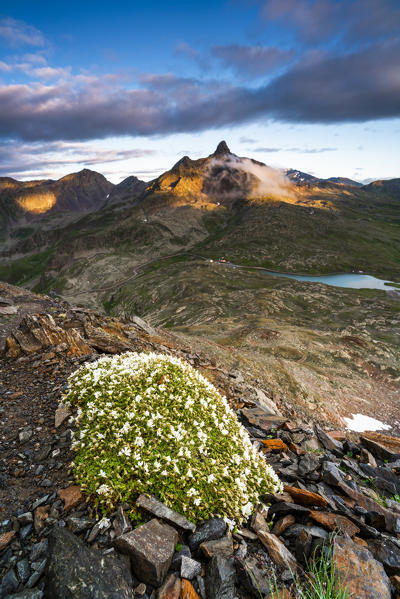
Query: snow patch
(361, 423)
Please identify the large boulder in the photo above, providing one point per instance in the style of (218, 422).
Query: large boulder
(151, 548)
(75, 571)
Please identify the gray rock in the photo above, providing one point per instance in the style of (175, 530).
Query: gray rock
(151, 548)
(381, 450)
(38, 549)
(142, 324)
(307, 464)
(121, 523)
(39, 501)
(38, 571)
(277, 551)
(336, 447)
(97, 528)
(25, 518)
(178, 555)
(283, 508)
(23, 570)
(220, 579)
(62, 413)
(384, 478)
(331, 474)
(160, 510)
(222, 547)
(202, 587)
(387, 553)
(258, 522)
(214, 528)
(315, 531)
(77, 571)
(28, 594)
(261, 418)
(10, 583)
(190, 568)
(25, 435)
(77, 525)
(25, 532)
(254, 576)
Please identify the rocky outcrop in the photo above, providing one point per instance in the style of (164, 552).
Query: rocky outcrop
(37, 333)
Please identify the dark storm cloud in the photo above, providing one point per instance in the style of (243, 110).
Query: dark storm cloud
(318, 20)
(355, 87)
(321, 88)
(252, 60)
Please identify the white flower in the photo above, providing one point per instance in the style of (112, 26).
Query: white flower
(125, 451)
(125, 429)
(103, 489)
(104, 523)
(102, 473)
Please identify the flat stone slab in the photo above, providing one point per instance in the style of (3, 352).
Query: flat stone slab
(160, 510)
(262, 419)
(151, 548)
(277, 551)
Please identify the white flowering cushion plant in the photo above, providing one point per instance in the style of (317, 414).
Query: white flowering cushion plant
(150, 423)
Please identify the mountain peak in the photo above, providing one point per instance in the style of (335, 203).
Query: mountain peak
(222, 148)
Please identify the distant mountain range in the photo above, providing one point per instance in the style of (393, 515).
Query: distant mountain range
(85, 191)
(58, 233)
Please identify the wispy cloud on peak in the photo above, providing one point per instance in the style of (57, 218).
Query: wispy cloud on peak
(18, 33)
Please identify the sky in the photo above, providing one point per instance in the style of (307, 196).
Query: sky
(128, 88)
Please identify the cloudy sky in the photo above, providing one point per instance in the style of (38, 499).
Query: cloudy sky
(129, 87)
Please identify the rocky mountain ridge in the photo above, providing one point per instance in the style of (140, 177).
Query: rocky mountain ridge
(22, 202)
(51, 541)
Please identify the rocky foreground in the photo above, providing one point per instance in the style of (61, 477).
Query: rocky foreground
(341, 490)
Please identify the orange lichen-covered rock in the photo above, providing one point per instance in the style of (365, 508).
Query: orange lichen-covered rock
(306, 498)
(275, 445)
(187, 590)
